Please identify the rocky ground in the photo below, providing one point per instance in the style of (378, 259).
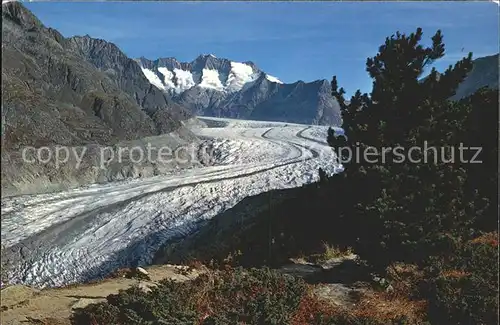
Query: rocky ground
(25, 305)
(92, 164)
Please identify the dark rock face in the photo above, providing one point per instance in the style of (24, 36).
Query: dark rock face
(260, 98)
(308, 103)
(300, 102)
(74, 91)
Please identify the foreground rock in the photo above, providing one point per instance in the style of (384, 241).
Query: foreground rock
(338, 280)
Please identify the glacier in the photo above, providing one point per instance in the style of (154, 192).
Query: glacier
(86, 233)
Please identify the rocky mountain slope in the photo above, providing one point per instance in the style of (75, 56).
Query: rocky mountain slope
(75, 91)
(79, 92)
(484, 74)
(219, 87)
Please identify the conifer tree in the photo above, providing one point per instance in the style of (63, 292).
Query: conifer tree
(403, 210)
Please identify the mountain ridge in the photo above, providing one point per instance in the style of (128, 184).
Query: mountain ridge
(82, 94)
(212, 86)
(75, 83)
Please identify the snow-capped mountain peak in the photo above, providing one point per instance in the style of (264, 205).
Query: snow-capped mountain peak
(215, 86)
(273, 79)
(206, 71)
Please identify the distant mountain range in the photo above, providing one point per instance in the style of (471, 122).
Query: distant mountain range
(220, 87)
(82, 90)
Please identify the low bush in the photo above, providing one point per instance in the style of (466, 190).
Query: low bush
(242, 296)
(463, 288)
(255, 296)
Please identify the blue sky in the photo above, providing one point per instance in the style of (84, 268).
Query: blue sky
(290, 40)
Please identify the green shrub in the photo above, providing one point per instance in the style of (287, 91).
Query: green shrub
(256, 296)
(464, 289)
(243, 296)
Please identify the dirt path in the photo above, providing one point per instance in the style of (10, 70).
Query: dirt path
(25, 305)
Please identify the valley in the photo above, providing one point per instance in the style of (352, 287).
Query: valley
(146, 183)
(86, 233)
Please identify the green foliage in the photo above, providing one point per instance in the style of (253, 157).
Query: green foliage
(404, 207)
(423, 213)
(255, 296)
(463, 289)
(480, 130)
(233, 296)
